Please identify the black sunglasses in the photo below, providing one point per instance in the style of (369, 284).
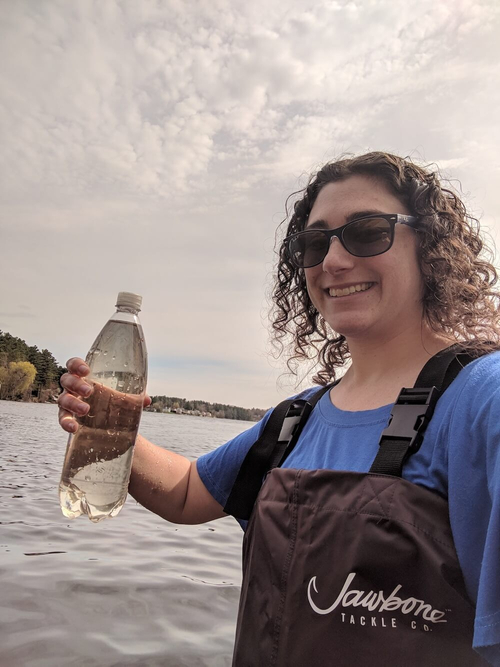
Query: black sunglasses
(368, 236)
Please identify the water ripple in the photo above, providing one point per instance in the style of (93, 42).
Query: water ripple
(135, 590)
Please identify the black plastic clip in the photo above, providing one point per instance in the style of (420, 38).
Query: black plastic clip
(293, 424)
(410, 415)
(296, 415)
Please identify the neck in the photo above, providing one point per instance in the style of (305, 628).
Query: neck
(396, 358)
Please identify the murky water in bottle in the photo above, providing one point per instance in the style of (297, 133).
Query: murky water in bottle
(95, 477)
(96, 469)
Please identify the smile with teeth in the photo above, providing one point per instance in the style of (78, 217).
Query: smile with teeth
(360, 287)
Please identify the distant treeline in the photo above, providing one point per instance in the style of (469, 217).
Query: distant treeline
(30, 374)
(27, 373)
(219, 410)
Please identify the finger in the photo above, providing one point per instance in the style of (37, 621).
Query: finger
(67, 421)
(75, 385)
(72, 404)
(77, 366)
(147, 401)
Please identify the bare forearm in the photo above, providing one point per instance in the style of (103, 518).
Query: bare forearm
(164, 482)
(168, 485)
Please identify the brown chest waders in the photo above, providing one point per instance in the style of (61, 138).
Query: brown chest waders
(348, 569)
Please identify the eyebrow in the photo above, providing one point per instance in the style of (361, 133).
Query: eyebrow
(322, 224)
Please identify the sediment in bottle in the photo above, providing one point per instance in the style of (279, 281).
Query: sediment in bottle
(97, 465)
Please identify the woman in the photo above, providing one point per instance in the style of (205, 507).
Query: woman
(343, 565)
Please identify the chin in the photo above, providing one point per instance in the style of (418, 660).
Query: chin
(349, 329)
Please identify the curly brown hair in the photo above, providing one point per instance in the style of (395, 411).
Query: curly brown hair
(459, 297)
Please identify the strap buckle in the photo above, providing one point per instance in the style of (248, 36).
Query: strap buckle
(298, 412)
(410, 415)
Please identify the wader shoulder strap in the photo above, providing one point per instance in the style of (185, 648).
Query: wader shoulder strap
(413, 410)
(278, 438)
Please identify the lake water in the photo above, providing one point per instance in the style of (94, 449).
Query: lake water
(133, 590)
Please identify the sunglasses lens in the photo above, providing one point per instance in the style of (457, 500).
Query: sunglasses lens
(362, 238)
(368, 237)
(308, 248)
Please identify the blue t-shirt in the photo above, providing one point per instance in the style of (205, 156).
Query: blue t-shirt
(459, 459)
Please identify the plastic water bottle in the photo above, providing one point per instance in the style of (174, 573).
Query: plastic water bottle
(98, 458)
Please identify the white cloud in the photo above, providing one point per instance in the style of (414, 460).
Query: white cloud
(153, 143)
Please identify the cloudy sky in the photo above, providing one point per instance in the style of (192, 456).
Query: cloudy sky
(149, 146)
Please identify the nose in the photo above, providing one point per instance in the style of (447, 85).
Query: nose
(337, 258)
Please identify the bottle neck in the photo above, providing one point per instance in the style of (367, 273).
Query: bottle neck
(127, 309)
(126, 314)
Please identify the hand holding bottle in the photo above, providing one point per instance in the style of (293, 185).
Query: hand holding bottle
(74, 400)
(162, 480)
(108, 410)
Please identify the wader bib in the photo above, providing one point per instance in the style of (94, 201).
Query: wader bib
(349, 569)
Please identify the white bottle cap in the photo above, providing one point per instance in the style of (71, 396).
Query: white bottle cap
(129, 300)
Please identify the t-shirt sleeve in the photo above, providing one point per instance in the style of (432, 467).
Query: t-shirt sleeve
(474, 497)
(218, 469)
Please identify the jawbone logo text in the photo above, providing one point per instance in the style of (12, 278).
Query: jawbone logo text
(377, 601)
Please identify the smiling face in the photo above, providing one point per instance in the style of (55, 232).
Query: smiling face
(377, 296)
